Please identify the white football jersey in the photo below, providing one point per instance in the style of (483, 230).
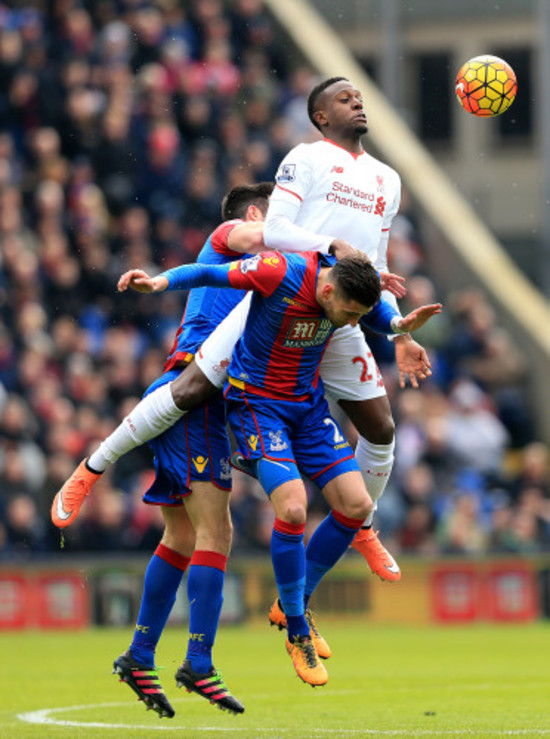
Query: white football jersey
(341, 195)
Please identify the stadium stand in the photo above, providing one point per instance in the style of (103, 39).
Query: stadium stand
(122, 125)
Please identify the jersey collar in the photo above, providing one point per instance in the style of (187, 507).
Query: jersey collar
(355, 156)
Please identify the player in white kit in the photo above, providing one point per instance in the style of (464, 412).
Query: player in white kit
(331, 196)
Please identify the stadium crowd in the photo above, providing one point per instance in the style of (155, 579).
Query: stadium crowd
(122, 124)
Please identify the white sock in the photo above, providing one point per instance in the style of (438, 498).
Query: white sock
(151, 416)
(376, 462)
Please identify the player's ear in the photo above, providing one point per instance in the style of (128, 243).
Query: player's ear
(327, 289)
(320, 117)
(253, 213)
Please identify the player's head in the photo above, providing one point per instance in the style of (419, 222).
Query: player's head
(239, 199)
(351, 288)
(335, 106)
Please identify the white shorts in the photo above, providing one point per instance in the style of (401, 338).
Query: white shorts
(348, 369)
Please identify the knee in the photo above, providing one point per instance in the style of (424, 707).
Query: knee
(383, 433)
(294, 513)
(359, 508)
(191, 388)
(182, 542)
(215, 536)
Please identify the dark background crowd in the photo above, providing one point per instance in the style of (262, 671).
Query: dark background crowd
(122, 125)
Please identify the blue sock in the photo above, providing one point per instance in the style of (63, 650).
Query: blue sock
(205, 592)
(328, 543)
(289, 566)
(162, 580)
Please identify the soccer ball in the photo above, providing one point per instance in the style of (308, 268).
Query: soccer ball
(486, 86)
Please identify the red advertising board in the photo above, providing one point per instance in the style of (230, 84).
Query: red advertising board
(44, 601)
(504, 591)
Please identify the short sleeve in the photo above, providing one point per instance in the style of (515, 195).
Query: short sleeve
(262, 273)
(294, 175)
(220, 236)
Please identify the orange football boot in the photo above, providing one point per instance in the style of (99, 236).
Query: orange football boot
(278, 619)
(378, 558)
(306, 661)
(67, 502)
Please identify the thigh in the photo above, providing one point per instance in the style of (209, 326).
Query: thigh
(321, 449)
(214, 355)
(208, 510)
(348, 368)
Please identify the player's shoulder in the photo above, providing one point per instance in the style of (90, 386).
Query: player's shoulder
(218, 237)
(306, 150)
(227, 226)
(265, 261)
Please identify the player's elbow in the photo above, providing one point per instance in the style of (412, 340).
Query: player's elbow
(274, 226)
(256, 242)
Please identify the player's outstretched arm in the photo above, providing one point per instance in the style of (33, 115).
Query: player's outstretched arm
(183, 277)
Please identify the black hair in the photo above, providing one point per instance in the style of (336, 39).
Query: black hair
(315, 94)
(356, 278)
(237, 200)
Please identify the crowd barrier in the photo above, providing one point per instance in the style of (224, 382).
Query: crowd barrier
(55, 595)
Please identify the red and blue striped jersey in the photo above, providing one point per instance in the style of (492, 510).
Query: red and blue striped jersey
(206, 307)
(286, 332)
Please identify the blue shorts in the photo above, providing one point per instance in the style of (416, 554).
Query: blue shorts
(195, 448)
(287, 431)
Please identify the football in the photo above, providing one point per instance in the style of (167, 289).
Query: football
(486, 86)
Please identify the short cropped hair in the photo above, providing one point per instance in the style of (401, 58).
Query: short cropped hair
(316, 93)
(356, 278)
(237, 200)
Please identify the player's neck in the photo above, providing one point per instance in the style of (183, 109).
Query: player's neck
(353, 145)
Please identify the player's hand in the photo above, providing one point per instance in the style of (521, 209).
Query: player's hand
(395, 284)
(411, 360)
(419, 316)
(139, 280)
(341, 248)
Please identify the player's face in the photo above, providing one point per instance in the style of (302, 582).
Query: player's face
(343, 109)
(342, 311)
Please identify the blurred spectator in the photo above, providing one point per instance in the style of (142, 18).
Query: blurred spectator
(475, 436)
(460, 530)
(26, 532)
